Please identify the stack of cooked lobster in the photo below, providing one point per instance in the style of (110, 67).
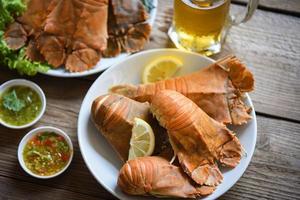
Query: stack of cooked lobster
(77, 33)
(190, 117)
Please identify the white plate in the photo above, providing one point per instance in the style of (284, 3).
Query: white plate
(103, 63)
(99, 156)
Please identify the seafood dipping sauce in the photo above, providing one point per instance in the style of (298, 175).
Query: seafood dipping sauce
(46, 154)
(19, 105)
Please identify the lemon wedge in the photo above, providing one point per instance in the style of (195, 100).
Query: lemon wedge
(161, 69)
(142, 140)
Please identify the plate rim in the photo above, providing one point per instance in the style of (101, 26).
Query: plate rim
(54, 72)
(250, 154)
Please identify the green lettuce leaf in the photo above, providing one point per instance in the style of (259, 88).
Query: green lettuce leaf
(11, 58)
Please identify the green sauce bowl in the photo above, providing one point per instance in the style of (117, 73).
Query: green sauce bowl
(22, 82)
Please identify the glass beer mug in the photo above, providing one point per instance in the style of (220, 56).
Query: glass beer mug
(202, 25)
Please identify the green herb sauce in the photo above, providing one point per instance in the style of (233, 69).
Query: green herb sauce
(19, 105)
(46, 153)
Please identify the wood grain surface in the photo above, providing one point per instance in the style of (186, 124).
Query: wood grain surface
(269, 44)
(283, 6)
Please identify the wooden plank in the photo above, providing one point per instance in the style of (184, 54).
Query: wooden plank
(284, 6)
(269, 44)
(19, 190)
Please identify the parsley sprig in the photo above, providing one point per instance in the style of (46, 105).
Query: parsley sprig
(12, 102)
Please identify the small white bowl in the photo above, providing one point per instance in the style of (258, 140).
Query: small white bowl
(32, 85)
(29, 136)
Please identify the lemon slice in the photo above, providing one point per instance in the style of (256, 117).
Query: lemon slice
(142, 140)
(161, 69)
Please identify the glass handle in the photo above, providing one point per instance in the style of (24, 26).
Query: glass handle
(251, 6)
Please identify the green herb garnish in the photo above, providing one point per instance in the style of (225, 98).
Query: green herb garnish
(46, 135)
(12, 102)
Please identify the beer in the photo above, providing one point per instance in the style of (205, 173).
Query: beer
(200, 25)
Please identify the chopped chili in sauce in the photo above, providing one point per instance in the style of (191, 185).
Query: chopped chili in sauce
(46, 153)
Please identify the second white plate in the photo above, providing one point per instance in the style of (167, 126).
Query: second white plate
(103, 63)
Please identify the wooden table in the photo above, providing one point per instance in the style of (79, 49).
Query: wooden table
(269, 44)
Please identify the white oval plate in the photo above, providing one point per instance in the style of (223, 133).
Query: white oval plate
(99, 156)
(103, 63)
